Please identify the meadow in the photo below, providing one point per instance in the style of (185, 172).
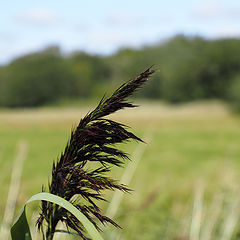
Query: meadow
(186, 183)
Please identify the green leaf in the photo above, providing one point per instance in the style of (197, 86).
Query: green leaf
(20, 229)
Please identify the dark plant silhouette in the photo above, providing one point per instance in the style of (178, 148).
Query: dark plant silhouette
(93, 140)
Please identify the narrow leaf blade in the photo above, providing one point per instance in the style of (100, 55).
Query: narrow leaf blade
(20, 229)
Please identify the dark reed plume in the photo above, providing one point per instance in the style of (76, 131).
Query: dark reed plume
(93, 140)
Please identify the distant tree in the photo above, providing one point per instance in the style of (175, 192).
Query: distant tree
(233, 93)
(89, 71)
(36, 79)
(190, 68)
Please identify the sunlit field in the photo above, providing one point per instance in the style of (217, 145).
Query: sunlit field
(186, 182)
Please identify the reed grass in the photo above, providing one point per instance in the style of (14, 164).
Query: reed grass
(197, 213)
(231, 219)
(22, 150)
(93, 140)
(212, 217)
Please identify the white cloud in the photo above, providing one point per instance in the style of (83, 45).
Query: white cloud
(213, 10)
(226, 32)
(123, 18)
(39, 16)
(106, 41)
(83, 27)
(217, 20)
(208, 10)
(7, 37)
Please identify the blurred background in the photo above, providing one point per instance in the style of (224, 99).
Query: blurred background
(57, 61)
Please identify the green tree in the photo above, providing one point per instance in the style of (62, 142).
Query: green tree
(90, 72)
(36, 79)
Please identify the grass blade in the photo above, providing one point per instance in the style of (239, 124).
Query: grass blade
(230, 223)
(127, 176)
(197, 213)
(14, 189)
(212, 218)
(20, 229)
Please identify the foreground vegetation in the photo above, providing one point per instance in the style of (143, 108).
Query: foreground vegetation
(190, 167)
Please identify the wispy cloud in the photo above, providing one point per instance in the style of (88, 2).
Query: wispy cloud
(208, 10)
(227, 31)
(216, 19)
(216, 11)
(106, 41)
(39, 16)
(123, 18)
(7, 37)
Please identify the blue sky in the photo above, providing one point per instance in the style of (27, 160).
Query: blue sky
(104, 26)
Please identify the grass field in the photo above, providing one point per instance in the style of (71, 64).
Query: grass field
(186, 185)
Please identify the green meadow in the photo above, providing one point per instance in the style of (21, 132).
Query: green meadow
(185, 185)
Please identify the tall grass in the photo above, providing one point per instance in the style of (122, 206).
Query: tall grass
(198, 140)
(13, 189)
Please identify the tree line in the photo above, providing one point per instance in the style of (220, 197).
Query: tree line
(190, 68)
